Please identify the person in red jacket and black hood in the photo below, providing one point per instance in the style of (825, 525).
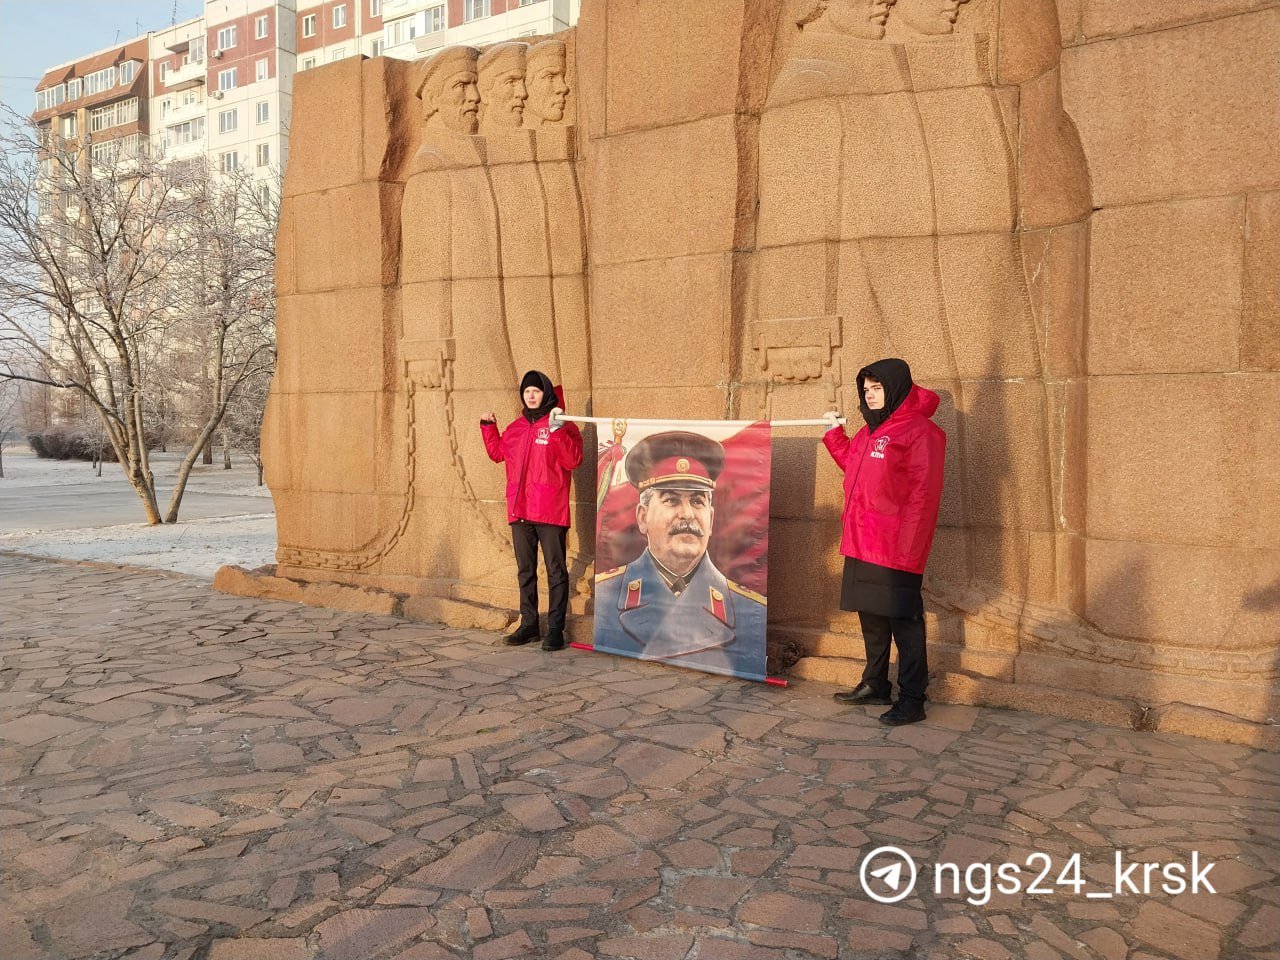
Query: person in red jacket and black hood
(892, 489)
(540, 456)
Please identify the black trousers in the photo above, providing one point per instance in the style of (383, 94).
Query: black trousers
(526, 538)
(913, 661)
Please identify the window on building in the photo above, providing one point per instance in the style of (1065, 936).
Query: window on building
(227, 38)
(165, 106)
(339, 54)
(264, 111)
(307, 63)
(189, 97)
(69, 126)
(75, 88)
(376, 48)
(264, 154)
(100, 80)
(474, 10)
(227, 79)
(264, 194)
(228, 120)
(309, 25)
(260, 70)
(339, 16)
(435, 19)
(164, 72)
(196, 50)
(528, 3)
(375, 8)
(113, 114)
(51, 97)
(260, 28)
(185, 132)
(229, 162)
(128, 70)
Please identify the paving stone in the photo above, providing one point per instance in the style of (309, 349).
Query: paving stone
(87, 927)
(256, 949)
(277, 756)
(535, 813)
(361, 933)
(185, 814)
(711, 893)
(37, 728)
(1176, 933)
(479, 863)
(646, 948)
(782, 911)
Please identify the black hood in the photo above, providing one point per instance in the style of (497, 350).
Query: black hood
(895, 376)
(536, 378)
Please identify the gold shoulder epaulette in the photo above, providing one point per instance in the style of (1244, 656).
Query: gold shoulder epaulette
(609, 574)
(759, 598)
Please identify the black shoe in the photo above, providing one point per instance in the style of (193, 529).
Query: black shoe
(553, 641)
(527, 633)
(903, 712)
(863, 695)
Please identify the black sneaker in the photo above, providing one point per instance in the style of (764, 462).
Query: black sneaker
(527, 633)
(553, 641)
(904, 712)
(863, 695)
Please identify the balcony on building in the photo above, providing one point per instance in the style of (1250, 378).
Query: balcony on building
(187, 75)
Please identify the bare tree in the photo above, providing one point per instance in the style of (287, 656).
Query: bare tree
(114, 266)
(11, 409)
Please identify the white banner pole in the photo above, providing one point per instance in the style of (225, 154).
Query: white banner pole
(558, 414)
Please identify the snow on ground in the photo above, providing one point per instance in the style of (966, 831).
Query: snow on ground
(197, 546)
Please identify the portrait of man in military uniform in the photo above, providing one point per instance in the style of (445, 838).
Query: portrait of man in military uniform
(672, 603)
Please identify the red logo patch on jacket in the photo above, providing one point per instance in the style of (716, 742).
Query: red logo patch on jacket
(881, 446)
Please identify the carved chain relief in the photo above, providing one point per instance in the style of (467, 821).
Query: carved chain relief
(492, 255)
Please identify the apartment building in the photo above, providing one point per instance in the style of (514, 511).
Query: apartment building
(220, 87)
(419, 28)
(104, 93)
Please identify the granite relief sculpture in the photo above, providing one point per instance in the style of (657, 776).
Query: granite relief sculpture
(852, 179)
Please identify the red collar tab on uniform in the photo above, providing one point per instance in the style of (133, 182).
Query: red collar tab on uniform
(717, 606)
(633, 594)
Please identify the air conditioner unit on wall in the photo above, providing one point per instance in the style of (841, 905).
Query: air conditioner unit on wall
(217, 54)
(216, 94)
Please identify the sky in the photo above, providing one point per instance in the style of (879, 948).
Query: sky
(37, 34)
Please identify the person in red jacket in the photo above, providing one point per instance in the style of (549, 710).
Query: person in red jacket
(540, 456)
(892, 488)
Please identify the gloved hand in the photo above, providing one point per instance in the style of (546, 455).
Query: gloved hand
(556, 422)
(832, 417)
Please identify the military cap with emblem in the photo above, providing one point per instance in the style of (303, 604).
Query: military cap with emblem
(675, 460)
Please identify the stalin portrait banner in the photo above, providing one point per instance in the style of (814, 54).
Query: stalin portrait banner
(682, 544)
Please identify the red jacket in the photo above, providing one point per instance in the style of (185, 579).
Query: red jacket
(539, 462)
(892, 484)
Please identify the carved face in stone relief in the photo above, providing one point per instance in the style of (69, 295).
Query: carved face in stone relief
(502, 86)
(548, 88)
(864, 19)
(450, 99)
(930, 18)
(459, 102)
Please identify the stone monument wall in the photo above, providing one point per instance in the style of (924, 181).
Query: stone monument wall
(1064, 216)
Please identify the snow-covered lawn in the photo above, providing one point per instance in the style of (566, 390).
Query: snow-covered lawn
(192, 546)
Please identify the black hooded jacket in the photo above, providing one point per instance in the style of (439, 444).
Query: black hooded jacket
(895, 376)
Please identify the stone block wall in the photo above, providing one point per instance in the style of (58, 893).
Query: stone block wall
(1064, 216)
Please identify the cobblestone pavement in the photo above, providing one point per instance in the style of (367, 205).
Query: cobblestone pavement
(196, 775)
